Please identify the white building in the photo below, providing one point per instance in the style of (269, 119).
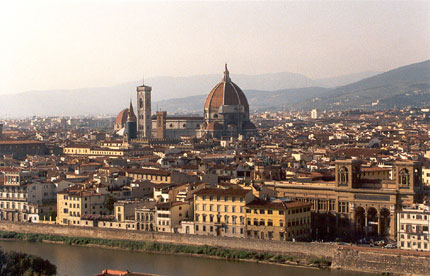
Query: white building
(24, 199)
(413, 228)
(314, 114)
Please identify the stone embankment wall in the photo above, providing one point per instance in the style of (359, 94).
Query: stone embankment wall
(382, 260)
(287, 248)
(343, 257)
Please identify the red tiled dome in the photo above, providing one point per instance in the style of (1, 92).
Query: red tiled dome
(214, 126)
(225, 93)
(122, 117)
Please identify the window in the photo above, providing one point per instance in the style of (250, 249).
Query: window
(281, 212)
(248, 211)
(270, 222)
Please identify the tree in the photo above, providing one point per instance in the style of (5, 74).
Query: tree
(110, 202)
(16, 263)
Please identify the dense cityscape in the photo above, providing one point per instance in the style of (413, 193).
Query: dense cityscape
(351, 177)
(189, 138)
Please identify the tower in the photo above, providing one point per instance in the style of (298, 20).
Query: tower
(130, 125)
(144, 122)
(161, 124)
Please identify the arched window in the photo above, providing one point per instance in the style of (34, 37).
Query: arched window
(404, 178)
(140, 103)
(215, 116)
(343, 176)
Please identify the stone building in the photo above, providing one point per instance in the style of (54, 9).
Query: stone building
(278, 220)
(413, 225)
(21, 148)
(78, 201)
(365, 206)
(22, 198)
(226, 111)
(221, 212)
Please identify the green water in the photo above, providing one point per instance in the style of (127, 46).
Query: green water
(79, 261)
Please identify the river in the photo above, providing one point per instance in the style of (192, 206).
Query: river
(81, 261)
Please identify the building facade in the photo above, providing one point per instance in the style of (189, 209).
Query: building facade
(221, 212)
(365, 206)
(278, 220)
(413, 228)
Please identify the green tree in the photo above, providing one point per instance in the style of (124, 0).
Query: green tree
(16, 263)
(109, 203)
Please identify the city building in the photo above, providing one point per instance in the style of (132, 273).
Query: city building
(278, 220)
(413, 225)
(78, 201)
(24, 198)
(168, 215)
(221, 212)
(352, 204)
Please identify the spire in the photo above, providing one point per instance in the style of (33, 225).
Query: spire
(226, 74)
(131, 116)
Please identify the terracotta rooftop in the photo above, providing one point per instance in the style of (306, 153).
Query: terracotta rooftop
(222, 192)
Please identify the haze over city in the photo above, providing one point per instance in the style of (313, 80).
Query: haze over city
(76, 44)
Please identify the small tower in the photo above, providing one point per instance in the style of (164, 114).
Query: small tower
(161, 124)
(144, 122)
(130, 125)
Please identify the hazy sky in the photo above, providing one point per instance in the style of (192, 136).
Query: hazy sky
(72, 44)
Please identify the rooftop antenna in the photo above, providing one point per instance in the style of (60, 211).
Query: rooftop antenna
(143, 80)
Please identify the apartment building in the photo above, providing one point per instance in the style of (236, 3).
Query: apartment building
(22, 198)
(168, 216)
(413, 228)
(79, 200)
(278, 219)
(221, 212)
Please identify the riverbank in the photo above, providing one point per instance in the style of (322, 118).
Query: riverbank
(155, 247)
(373, 260)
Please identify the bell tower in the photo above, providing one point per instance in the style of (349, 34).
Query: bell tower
(144, 122)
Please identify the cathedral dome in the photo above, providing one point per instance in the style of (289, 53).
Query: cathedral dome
(225, 93)
(121, 119)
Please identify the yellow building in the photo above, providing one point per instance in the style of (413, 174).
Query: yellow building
(375, 173)
(77, 201)
(93, 151)
(221, 212)
(278, 220)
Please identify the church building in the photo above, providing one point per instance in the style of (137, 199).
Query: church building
(226, 111)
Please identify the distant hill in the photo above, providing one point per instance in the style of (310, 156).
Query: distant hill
(408, 85)
(258, 100)
(405, 86)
